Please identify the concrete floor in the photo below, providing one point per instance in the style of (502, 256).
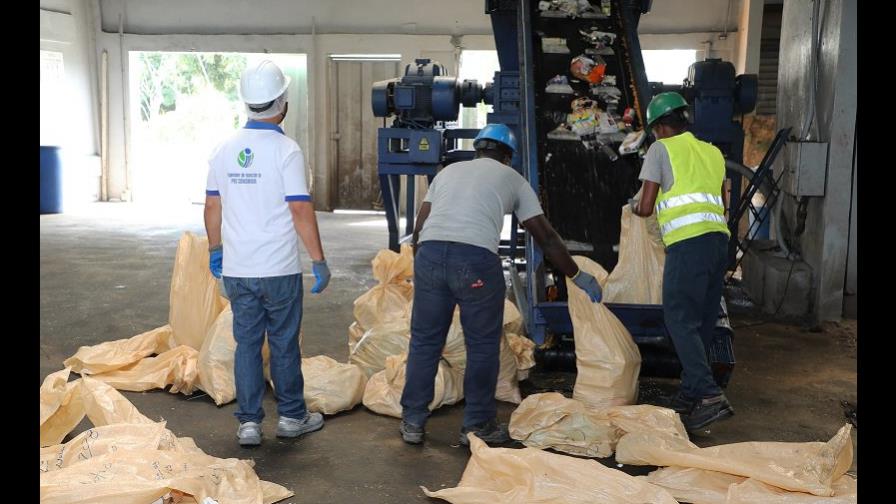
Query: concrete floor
(105, 273)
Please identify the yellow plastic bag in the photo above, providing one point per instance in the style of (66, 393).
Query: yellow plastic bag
(216, 359)
(551, 420)
(194, 299)
(504, 475)
(135, 473)
(383, 392)
(638, 276)
(61, 407)
(516, 357)
(52, 392)
(699, 486)
(380, 342)
(128, 458)
(102, 440)
(752, 491)
(523, 351)
(331, 386)
(694, 485)
(607, 359)
(176, 367)
(507, 387)
(513, 320)
(104, 405)
(390, 300)
(798, 467)
(64, 404)
(113, 355)
(455, 349)
(355, 333)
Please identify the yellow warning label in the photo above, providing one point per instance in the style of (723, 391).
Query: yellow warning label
(424, 144)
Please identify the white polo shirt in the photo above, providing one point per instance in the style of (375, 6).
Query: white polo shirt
(256, 172)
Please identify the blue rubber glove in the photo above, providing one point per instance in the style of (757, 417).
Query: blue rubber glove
(589, 284)
(216, 260)
(321, 274)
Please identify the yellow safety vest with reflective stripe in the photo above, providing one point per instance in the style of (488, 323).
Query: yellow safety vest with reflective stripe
(693, 205)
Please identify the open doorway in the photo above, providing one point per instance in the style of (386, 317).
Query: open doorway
(183, 104)
(353, 128)
(479, 65)
(669, 66)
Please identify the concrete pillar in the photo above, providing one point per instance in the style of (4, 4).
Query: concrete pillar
(749, 36)
(824, 242)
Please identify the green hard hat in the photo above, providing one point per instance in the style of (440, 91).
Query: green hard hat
(662, 104)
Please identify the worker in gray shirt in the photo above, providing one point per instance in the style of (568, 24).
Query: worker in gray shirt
(456, 263)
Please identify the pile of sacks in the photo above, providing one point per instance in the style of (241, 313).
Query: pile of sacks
(741, 473)
(601, 419)
(752, 472)
(638, 276)
(126, 457)
(380, 336)
(195, 350)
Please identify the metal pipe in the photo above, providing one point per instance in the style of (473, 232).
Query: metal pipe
(725, 23)
(776, 218)
(126, 193)
(813, 70)
(313, 87)
(104, 127)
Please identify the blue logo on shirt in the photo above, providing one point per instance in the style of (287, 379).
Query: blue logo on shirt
(245, 157)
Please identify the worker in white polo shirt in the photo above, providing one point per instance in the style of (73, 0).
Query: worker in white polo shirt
(256, 207)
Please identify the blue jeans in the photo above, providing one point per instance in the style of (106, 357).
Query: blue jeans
(447, 274)
(270, 305)
(693, 279)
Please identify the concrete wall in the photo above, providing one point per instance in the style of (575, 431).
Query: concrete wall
(412, 28)
(66, 27)
(749, 36)
(318, 49)
(410, 17)
(272, 17)
(691, 16)
(712, 27)
(825, 241)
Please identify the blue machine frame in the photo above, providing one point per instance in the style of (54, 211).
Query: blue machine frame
(425, 151)
(645, 322)
(513, 99)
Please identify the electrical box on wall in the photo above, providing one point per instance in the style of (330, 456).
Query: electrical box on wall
(806, 165)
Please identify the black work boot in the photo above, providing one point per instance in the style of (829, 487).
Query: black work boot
(491, 432)
(680, 403)
(706, 411)
(410, 433)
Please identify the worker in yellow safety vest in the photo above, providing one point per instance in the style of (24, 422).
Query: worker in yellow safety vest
(683, 179)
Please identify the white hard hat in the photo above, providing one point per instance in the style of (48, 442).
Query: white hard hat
(263, 82)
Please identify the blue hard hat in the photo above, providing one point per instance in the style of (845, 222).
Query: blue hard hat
(499, 133)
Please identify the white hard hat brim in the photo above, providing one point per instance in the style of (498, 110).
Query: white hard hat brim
(286, 80)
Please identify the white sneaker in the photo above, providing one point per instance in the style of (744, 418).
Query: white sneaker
(290, 427)
(249, 434)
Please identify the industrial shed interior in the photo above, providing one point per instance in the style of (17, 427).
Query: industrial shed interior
(138, 337)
